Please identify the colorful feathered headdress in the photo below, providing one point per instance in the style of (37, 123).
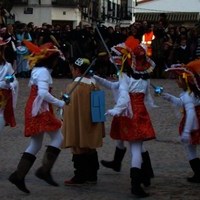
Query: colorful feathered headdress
(39, 53)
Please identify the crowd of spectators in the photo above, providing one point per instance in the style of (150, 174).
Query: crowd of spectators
(171, 44)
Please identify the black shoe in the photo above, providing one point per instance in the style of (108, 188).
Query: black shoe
(194, 179)
(46, 177)
(74, 182)
(112, 165)
(19, 183)
(140, 193)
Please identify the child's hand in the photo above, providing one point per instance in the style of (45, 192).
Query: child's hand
(13, 87)
(185, 137)
(166, 96)
(112, 112)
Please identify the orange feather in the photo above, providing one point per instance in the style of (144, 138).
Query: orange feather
(32, 47)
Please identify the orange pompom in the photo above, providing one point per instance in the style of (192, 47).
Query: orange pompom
(132, 43)
(194, 66)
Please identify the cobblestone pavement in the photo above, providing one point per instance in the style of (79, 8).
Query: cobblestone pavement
(169, 161)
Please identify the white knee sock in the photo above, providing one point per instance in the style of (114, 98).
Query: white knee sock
(191, 151)
(35, 144)
(136, 157)
(56, 138)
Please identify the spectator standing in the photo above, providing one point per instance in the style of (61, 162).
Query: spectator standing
(3, 14)
(117, 35)
(147, 38)
(192, 41)
(197, 49)
(22, 34)
(10, 50)
(158, 55)
(31, 30)
(182, 54)
(136, 30)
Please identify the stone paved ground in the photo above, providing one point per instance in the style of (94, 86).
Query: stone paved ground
(168, 159)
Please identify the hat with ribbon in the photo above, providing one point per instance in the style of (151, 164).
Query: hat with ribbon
(39, 53)
(189, 72)
(135, 54)
(124, 52)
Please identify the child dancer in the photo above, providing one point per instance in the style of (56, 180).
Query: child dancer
(81, 134)
(131, 120)
(188, 79)
(8, 90)
(39, 117)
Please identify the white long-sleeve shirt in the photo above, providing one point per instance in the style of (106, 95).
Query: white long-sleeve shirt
(41, 77)
(121, 90)
(188, 101)
(6, 70)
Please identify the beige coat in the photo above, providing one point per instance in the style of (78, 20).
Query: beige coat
(78, 129)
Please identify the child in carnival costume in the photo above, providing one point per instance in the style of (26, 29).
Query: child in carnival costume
(81, 134)
(188, 78)
(39, 116)
(131, 121)
(8, 90)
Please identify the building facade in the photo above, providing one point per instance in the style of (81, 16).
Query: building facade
(180, 12)
(74, 12)
(107, 12)
(47, 11)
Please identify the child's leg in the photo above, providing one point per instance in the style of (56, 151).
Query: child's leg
(56, 138)
(35, 144)
(50, 156)
(194, 163)
(2, 122)
(147, 162)
(115, 164)
(135, 171)
(25, 163)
